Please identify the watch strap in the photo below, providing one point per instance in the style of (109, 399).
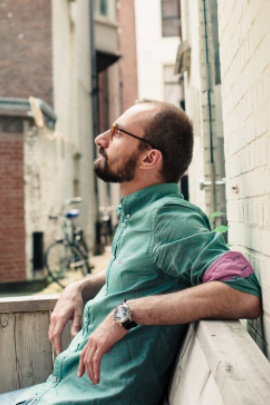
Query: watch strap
(129, 324)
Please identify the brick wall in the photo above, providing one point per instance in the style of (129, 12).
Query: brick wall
(26, 49)
(245, 63)
(12, 233)
(127, 47)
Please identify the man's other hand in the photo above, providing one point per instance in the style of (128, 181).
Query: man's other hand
(100, 342)
(68, 307)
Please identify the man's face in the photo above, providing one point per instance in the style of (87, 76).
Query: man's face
(118, 169)
(119, 158)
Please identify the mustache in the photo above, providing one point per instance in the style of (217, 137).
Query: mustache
(102, 152)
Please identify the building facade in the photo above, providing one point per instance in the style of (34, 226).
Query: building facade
(157, 44)
(245, 73)
(52, 51)
(234, 100)
(198, 59)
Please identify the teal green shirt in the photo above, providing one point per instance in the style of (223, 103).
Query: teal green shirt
(162, 244)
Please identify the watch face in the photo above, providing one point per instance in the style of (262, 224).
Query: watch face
(121, 314)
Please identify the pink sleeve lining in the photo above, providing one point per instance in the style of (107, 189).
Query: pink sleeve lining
(226, 267)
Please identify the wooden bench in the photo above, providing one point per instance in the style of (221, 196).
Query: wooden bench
(218, 363)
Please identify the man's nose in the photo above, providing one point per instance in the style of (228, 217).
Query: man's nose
(103, 139)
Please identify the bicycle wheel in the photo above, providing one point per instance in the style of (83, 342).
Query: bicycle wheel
(80, 243)
(62, 259)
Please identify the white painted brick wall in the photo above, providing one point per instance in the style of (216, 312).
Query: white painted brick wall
(244, 31)
(196, 86)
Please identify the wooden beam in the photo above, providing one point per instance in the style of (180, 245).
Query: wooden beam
(220, 364)
(240, 369)
(28, 303)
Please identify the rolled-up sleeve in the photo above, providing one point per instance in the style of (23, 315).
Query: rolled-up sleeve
(186, 248)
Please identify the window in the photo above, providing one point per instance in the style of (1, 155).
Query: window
(170, 11)
(101, 7)
(106, 9)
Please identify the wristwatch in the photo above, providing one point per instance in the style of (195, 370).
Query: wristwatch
(122, 316)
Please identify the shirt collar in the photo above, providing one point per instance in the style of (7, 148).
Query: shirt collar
(136, 201)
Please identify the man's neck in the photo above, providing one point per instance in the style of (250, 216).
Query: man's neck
(133, 186)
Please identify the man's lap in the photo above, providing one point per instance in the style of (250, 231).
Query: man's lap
(10, 397)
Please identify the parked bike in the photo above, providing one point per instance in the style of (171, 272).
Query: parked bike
(69, 253)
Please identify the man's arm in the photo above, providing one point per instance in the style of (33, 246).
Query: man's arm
(207, 301)
(70, 306)
(213, 300)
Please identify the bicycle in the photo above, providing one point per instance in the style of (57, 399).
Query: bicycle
(69, 253)
(105, 225)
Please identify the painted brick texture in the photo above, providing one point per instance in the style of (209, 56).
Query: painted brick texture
(26, 49)
(12, 232)
(245, 63)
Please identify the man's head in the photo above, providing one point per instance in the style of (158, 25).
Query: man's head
(171, 131)
(150, 135)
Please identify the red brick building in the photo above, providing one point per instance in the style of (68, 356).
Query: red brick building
(25, 70)
(46, 52)
(12, 231)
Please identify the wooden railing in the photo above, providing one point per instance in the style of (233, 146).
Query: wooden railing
(218, 363)
(26, 355)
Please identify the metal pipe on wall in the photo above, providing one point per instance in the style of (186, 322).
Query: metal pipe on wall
(209, 100)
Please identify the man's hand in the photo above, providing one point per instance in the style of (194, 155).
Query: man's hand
(100, 342)
(69, 306)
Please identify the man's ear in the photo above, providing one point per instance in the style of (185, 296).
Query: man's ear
(151, 158)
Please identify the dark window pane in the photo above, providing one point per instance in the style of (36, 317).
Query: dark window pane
(170, 8)
(171, 28)
(103, 7)
(170, 18)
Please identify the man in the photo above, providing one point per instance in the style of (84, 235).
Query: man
(167, 269)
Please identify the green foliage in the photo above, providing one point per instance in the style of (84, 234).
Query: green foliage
(49, 280)
(216, 215)
(220, 228)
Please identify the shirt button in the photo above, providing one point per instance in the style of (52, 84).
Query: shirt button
(127, 216)
(54, 379)
(122, 225)
(85, 319)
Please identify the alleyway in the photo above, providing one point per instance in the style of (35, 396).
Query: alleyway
(99, 262)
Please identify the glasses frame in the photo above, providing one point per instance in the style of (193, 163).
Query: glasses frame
(115, 128)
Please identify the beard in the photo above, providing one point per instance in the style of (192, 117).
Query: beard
(124, 171)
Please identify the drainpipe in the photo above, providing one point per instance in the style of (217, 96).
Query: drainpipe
(209, 77)
(94, 92)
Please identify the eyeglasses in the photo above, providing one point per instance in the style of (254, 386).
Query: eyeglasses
(115, 128)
